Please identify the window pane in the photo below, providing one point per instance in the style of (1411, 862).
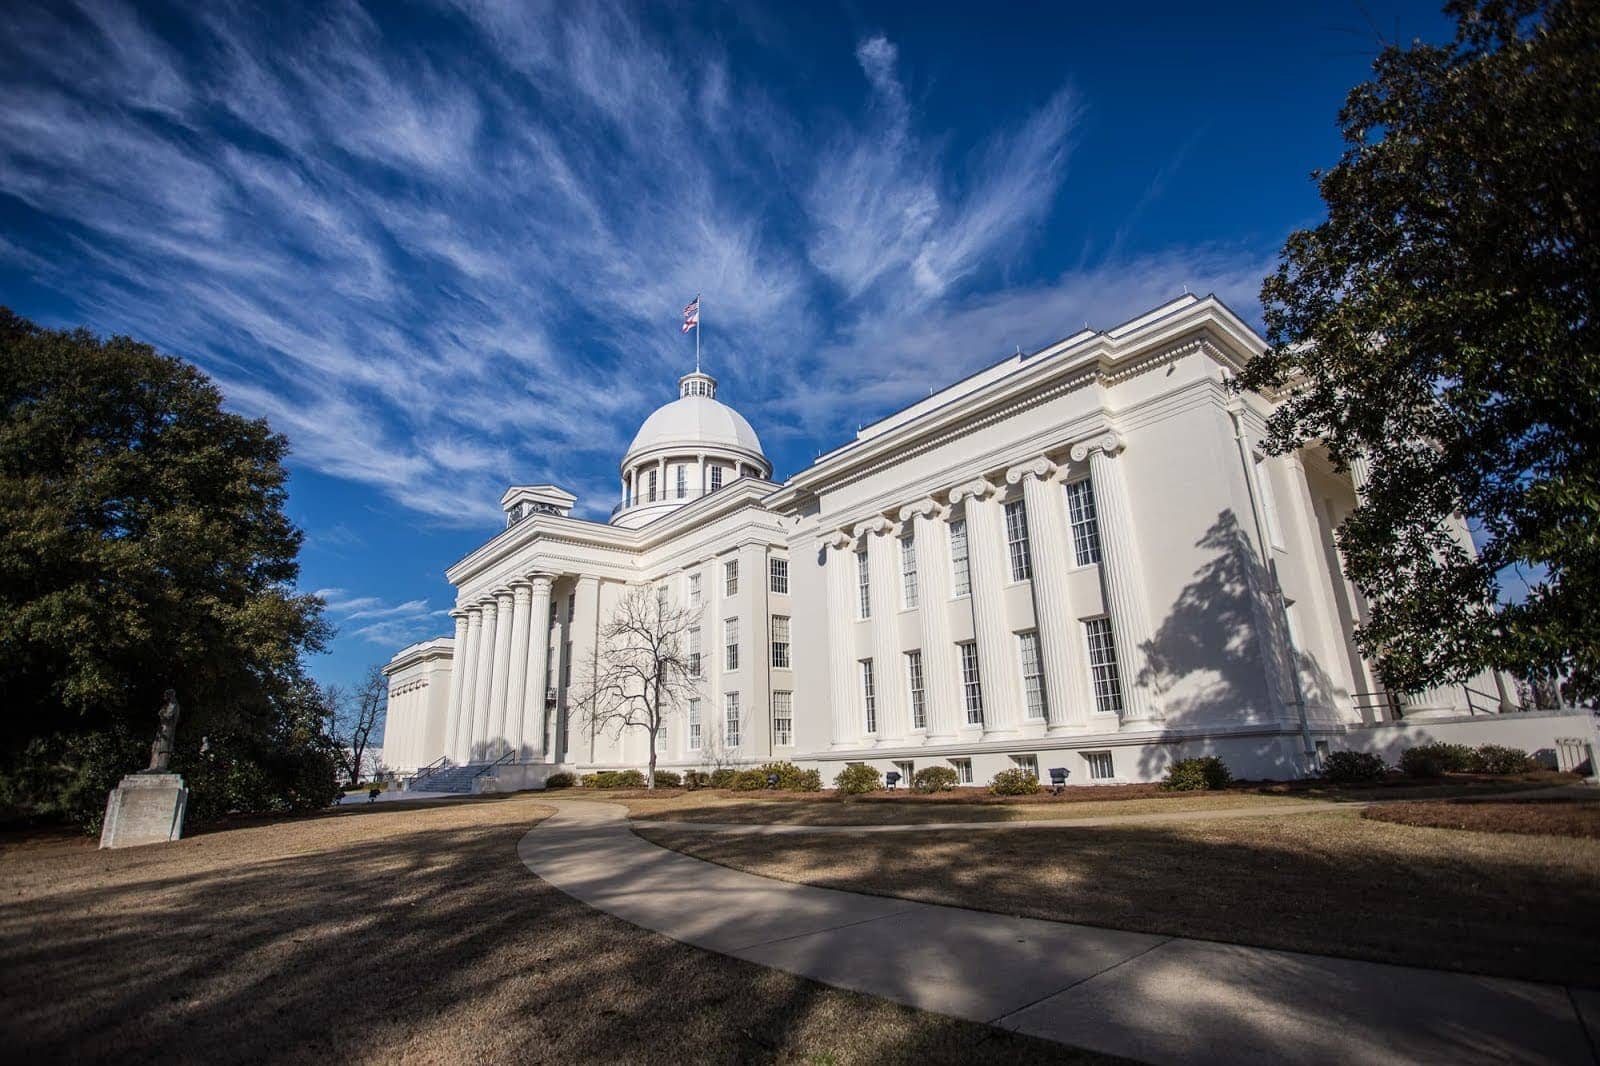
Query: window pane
(1085, 526)
(863, 590)
(779, 570)
(919, 710)
(1017, 541)
(960, 573)
(1103, 666)
(869, 697)
(972, 687)
(783, 718)
(780, 641)
(730, 641)
(1032, 673)
(909, 593)
(730, 577)
(731, 721)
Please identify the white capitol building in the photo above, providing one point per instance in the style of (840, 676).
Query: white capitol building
(1079, 558)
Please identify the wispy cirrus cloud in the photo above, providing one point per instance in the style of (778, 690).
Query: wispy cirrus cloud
(445, 253)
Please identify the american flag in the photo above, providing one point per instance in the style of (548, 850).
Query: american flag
(691, 315)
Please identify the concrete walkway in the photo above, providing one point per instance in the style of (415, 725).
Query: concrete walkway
(1155, 998)
(788, 828)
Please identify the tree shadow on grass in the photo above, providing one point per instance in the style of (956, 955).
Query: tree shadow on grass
(399, 935)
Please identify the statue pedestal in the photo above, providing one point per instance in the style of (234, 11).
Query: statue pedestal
(144, 809)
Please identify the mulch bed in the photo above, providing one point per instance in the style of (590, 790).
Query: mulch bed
(1534, 817)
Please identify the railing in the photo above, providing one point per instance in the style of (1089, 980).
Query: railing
(1492, 707)
(438, 764)
(1386, 703)
(644, 499)
(507, 757)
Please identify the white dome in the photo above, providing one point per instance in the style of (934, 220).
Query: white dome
(695, 419)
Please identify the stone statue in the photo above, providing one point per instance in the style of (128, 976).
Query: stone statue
(166, 736)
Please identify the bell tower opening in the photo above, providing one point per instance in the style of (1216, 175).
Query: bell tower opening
(698, 383)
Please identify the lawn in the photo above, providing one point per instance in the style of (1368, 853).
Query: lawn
(1540, 817)
(392, 934)
(1329, 883)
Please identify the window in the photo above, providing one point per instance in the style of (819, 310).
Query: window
(961, 572)
(694, 590)
(1027, 763)
(730, 643)
(1103, 666)
(919, 706)
(650, 480)
(1101, 768)
(730, 729)
(553, 607)
(863, 582)
(572, 606)
(1085, 526)
(683, 481)
(907, 771)
(971, 686)
(963, 769)
(716, 478)
(694, 652)
(1032, 673)
(661, 599)
(694, 725)
(778, 575)
(782, 719)
(780, 641)
(909, 593)
(869, 697)
(1017, 540)
(730, 578)
(566, 665)
(661, 738)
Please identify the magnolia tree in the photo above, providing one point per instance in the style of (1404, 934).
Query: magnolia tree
(642, 674)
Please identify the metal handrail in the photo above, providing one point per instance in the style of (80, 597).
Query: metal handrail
(1381, 699)
(438, 764)
(1472, 708)
(490, 766)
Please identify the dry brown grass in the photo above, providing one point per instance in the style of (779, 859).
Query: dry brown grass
(1568, 818)
(1330, 884)
(391, 934)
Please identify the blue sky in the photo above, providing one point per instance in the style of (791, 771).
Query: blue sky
(443, 246)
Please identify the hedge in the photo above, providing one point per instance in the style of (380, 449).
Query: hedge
(935, 779)
(1014, 782)
(1198, 775)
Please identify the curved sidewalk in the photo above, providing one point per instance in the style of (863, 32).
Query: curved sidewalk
(1156, 998)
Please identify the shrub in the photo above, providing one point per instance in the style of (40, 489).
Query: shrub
(790, 777)
(1342, 767)
(1498, 759)
(561, 780)
(751, 780)
(723, 777)
(810, 781)
(668, 779)
(935, 779)
(599, 779)
(694, 779)
(1432, 760)
(857, 778)
(1196, 775)
(630, 779)
(1014, 782)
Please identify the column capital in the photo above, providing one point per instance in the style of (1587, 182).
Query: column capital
(1107, 442)
(927, 507)
(501, 595)
(538, 582)
(459, 613)
(520, 588)
(839, 539)
(878, 525)
(976, 489)
(1038, 467)
(488, 605)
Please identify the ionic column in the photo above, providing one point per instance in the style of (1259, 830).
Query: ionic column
(499, 679)
(997, 654)
(537, 662)
(484, 679)
(701, 459)
(452, 714)
(461, 744)
(888, 675)
(1065, 702)
(517, 669)
(940, 685)
(661, 465)
(1119, 570)
(841, 640)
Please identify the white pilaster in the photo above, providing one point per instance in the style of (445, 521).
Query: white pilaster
(485, 679)
(584, 631)
(997, 653)
(841, 643)
(1066, 703)
(888, 672)
(461, 744)
(941, 686)
(1119, 570)
(535, 667)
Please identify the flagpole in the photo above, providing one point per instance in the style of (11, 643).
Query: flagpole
(699, 309)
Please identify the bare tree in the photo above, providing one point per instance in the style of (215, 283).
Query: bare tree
(354, 715)
(642, 673)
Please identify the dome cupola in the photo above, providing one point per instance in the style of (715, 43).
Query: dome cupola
(686, 449)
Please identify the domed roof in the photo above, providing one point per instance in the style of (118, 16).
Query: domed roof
(696, 418)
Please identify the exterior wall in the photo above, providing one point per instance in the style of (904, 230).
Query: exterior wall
(419, 693)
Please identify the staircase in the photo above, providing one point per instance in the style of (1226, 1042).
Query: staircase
(450, 778)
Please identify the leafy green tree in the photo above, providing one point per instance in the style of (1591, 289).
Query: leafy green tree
(1441, 324)
(143, 545)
